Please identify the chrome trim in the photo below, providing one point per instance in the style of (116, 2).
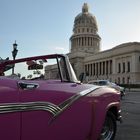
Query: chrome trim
(71, 72)
(45, 106)
(85, 92)
(72, 99)
(29, 106)
(67, 103)
(119, 116)
(28, 85)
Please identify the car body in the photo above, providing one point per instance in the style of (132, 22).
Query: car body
(41, 99)
(109, 84)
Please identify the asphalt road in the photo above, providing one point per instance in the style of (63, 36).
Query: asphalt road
(130, 128)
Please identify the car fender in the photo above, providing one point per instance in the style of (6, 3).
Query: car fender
(100, 107)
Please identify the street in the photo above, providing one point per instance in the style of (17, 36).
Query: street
(130, 128)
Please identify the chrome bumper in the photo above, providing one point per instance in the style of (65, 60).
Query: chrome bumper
(119, 117)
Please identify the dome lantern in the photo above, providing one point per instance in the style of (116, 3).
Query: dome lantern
(85, 8)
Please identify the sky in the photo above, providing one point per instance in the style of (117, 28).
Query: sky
(42, 27)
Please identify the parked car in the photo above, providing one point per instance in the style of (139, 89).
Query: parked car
(109, 84)
(41, 99)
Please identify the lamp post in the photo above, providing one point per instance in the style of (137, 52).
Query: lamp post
(14, 54)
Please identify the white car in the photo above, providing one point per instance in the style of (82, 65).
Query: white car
(109, 84)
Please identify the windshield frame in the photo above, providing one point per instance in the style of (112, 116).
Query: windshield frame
(70, 74)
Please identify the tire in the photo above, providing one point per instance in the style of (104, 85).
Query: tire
(109, 128)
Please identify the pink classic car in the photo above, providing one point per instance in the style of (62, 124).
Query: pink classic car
(41, 99)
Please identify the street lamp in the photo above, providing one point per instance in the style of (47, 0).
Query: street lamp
(14, 54)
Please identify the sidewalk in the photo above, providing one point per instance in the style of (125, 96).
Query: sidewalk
(132, 90)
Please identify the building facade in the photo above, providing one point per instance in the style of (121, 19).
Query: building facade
(121, 64)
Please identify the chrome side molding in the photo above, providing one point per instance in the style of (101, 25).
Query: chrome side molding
(29, 106)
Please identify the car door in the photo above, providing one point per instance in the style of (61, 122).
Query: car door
(9, 113)
(38, 122)
(34, 119)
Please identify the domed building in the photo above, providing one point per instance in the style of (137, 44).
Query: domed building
(85, 36)
(120, 64)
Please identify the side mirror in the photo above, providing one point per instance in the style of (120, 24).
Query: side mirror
(81, 77)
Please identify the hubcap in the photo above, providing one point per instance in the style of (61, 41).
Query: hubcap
(108, 130)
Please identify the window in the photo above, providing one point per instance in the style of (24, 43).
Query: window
(100, 68)
(78, 30)
(119, 67)
(97, 68)
(128, 66)
(91, 69)
(110, 66)
(102, 83)
(88, 68)
(94, 69)
(123, 80)
(118, 80)
(106, 67)
(85, 68)
(128, 80)
(123, 67)
(103, 68)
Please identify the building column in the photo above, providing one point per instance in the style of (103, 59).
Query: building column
(105, 67)
(80, 41)
(89, 70)
(76, 41)
(109, 67)
(90, 41)
(86, 41)
(95, 69)
(98, 68)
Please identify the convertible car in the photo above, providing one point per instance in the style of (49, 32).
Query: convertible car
(41, 99)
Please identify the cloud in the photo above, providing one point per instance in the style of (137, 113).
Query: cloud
(59, 48)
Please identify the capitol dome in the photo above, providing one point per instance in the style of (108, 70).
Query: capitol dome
(85, 19)
(85, 36)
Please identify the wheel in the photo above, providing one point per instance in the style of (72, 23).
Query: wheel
(109, 128)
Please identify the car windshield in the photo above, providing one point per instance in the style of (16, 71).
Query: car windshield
(49, 67)
(102, 83)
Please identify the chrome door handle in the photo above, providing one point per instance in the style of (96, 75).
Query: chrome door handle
(28, 86)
